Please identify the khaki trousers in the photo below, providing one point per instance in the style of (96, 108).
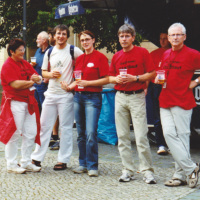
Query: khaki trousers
(176, 128)
(126, 107)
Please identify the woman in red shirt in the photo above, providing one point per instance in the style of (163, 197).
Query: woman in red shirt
(19, 109)
(93, 67)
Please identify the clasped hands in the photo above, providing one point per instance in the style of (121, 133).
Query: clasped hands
(35, 78)
(126, 78)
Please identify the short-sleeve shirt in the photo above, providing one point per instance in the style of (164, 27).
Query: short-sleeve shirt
(137, 61)
(179, 68)
(156, 56)
(12, 71)
(93, 66)
(60, 60)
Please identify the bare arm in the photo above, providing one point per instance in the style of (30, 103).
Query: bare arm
(21, 84)
(67, 87)
(53, 74)
(132, 78)
(98, 82)
(141, 78)
(193, 84)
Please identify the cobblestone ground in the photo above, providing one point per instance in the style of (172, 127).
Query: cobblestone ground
(50, 184)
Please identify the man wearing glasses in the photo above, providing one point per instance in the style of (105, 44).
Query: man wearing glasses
(176, 104)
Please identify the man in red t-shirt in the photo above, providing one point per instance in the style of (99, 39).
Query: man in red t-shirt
(154, 92)
(130, 102)
(176, 104)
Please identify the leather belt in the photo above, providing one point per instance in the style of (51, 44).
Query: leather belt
(131, 92)
(86, 92)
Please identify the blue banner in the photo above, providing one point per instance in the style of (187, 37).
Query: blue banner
(69, 9)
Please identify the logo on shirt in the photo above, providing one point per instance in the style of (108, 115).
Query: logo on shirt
(90, 65)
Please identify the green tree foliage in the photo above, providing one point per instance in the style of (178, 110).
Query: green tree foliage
(40, 16)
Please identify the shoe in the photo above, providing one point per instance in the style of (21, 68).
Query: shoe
(60, 166)
(125, 177)
(16, 169)
(162, 150)
(93, 173)
(32, 168)
(52, 142)
(175, 182)
(149, 179)
(80, 170)
(56, 145)
(36, 163)
(193, 178)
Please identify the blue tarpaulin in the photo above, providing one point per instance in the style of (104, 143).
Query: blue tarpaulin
(106, 125)
(69, 9)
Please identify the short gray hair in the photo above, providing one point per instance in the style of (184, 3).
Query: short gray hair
(126, 28)
(44, 35)
(177, 25)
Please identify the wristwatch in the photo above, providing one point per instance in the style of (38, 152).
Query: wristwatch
(137, 78)
(197, 80)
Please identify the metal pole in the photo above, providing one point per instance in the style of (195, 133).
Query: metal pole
(24, 24)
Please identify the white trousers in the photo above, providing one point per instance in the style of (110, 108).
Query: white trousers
(53, 106)
(127, 107)
(176, 128)
(26, 126)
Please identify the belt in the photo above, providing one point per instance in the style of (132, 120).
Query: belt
(131, 92)
(86, 92)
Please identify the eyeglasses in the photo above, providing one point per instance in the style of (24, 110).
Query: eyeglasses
(21, 50)
(85, 40)
(176, 35)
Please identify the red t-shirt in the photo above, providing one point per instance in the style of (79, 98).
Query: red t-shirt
(12, 71)
(137, 62)
(179, 68)
(93, 66)
(156, 56)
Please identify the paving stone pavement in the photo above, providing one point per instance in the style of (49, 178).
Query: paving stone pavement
(65, 185)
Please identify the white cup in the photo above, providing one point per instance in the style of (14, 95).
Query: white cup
(123, 72)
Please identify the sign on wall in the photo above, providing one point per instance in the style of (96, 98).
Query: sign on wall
(69, 9)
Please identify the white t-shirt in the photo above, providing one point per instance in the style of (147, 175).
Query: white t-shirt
(60, 60)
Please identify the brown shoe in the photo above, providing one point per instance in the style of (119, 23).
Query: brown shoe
(37, 163)
(60, 166)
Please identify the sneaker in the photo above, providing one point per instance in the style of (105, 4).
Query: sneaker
(125, 177)
(80, 170)
(162, 150)
(93, 173)
(193, 178)
(16, 169)
(32, 168)
(56, 145)
(149, 179)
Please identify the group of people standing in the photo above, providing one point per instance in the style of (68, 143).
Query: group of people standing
(176, 101)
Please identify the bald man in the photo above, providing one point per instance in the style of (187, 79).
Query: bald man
(42, 44)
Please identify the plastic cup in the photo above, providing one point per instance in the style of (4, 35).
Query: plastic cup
(60, 74)
(78, 76)
(33, 60)
(161, 76)
(123, 72)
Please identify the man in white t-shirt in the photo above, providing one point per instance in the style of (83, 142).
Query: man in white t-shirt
(57, 101)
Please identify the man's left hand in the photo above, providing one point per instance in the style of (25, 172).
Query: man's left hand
(128, 78)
